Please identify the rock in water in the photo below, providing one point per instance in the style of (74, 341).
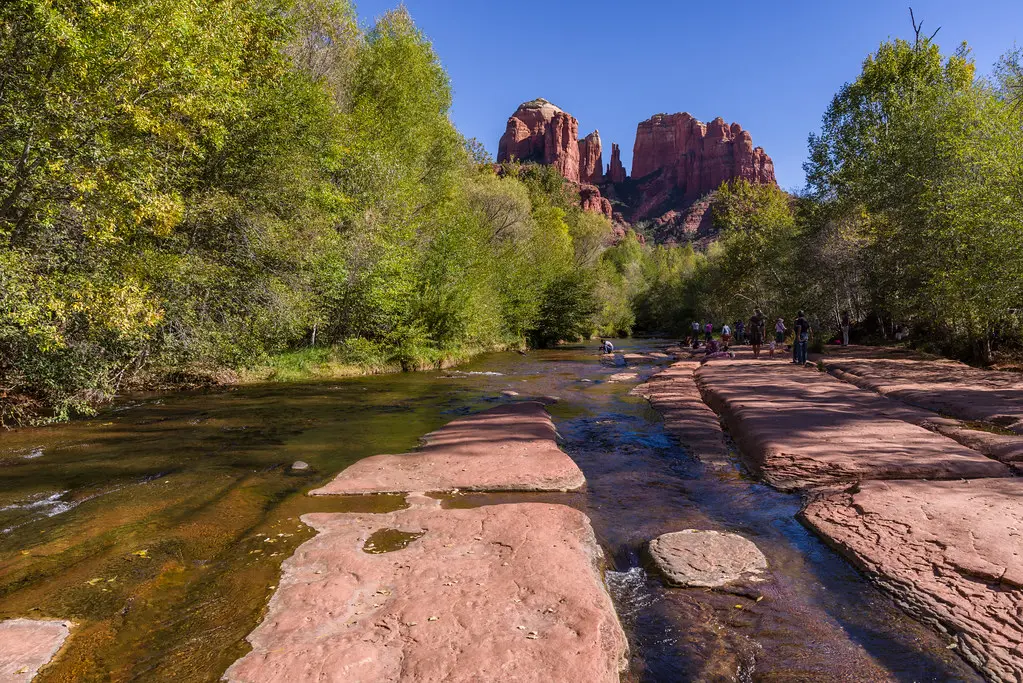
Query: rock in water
(707, 559)
(495, 593)
(509, 448)
(299, 465)
(26, 645)
(619, 360)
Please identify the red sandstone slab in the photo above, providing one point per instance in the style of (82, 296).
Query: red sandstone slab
(950, 552)
(508, 448)
(27, 645)
(803, 428)
(940, 385)
(498, 593)
(674, 394)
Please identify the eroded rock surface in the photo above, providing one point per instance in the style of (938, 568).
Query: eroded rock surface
(940, 385)
(591, 159)
(707, 559)
(950, 552)
(802, 428)
(27, 645)
(615, 169)
(508, 448)
(497, 593)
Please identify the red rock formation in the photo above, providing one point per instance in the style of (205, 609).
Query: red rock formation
(541, 132)
(615, 170)
(591, 159)
(693, 158)
(591, 200)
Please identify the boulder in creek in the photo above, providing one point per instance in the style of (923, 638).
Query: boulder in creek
(707, 559)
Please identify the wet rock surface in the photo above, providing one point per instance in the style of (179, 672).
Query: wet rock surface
(707, 559)
(500, 592)
(27, 645)
(508, 448)
(800, 428)
(950, 552)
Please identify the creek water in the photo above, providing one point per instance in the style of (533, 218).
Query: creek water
(159, 527)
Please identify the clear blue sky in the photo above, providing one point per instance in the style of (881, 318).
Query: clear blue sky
(771, 66)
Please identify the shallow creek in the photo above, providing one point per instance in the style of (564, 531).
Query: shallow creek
(159, 527)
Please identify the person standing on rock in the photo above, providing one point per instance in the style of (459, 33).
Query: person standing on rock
(802, 330)
(696, 334)
(845, 328)
(708, 332)
(756, 332)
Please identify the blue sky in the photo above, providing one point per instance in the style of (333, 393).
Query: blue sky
(771, 66)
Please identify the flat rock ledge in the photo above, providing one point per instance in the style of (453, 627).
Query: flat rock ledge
(940, 385)
(497, 593)
(507, 448)
(27, 645)
(673, 393)
(951, 553)
(800, 428)
(707, 559)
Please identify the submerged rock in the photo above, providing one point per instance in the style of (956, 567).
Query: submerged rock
(707, 559)
(26, 645)
(299, 465)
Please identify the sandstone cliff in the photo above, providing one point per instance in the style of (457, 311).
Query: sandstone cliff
(541, 132)
(677, 159)
(615, 170)
(591, 159)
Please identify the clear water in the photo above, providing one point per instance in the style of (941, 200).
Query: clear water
(160, 526)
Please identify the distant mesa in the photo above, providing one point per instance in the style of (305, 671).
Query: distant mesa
(677, 162)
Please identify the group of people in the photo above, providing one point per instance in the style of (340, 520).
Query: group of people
(755, 334)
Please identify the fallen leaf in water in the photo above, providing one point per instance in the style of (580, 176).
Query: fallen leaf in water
(142, 553)
(93, 582)
(738, 607)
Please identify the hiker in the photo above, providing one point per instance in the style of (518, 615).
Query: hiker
(802, 330)
(708, 332)
(779, 334)
(845, 328)
(696, 334)
(740, 332)
(756, 332)
(606, 346)
(726, 336)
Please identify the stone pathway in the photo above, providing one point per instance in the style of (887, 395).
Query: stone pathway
(508, 448)
(27, 645)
